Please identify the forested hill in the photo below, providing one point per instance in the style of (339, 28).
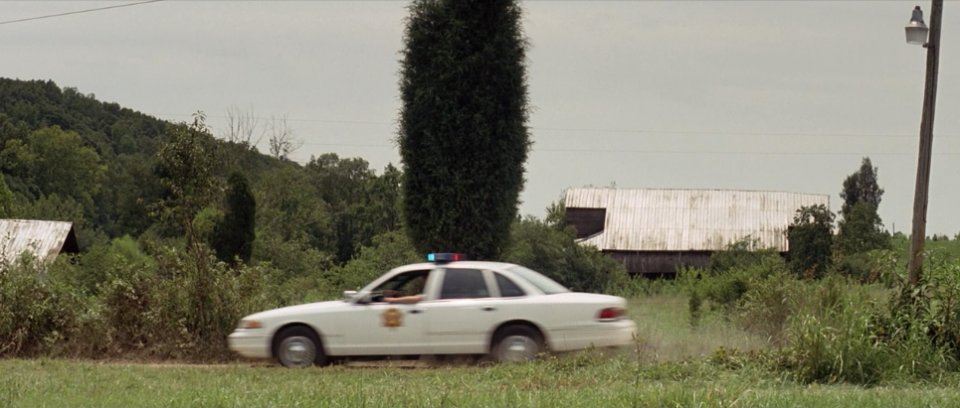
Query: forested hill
(106, 127)
(67, 156)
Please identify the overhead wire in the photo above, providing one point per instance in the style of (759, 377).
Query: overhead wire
(595, 130)
(628, 131)
(549, 129)
(21, 20)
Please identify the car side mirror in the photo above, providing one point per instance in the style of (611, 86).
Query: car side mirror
(354, 296)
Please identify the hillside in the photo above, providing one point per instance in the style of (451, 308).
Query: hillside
(67, 156)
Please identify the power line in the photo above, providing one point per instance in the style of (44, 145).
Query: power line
(599, 130)
(21, 20)
(534, 149)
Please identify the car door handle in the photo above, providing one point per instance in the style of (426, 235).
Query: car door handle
(415, 311)
(489, 308)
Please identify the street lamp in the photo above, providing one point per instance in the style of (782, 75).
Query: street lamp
(917, 29)
(917, 34)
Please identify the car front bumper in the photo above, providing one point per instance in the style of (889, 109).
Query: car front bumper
(250, 343)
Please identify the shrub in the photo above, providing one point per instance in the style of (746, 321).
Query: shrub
(96, 266)
(743, 254)
(694, 305)
(293, 257)
(810, 238)
(832, 335)
(126, 298)
(769, 304)
(554, 253)
(925, 318)
(180, 308)
(868, 267)
(836, 348)
(726, 288)
(35, 312)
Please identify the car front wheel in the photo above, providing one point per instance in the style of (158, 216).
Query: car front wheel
(299, 347)
(516, 344)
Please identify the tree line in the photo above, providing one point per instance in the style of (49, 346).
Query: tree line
(113, 172)
(815, 248)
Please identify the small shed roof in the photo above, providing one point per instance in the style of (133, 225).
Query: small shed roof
(44, 239)
(689, 220)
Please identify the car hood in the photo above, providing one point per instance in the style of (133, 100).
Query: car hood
(300, 310)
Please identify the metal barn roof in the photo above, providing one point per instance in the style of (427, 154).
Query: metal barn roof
(44, 239)
(689, 220)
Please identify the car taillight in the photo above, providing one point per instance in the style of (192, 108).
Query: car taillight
(610, 314)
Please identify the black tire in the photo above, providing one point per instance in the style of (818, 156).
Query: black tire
(298, 347)
(516, 344)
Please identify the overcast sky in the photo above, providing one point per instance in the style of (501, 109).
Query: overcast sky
(757, 95)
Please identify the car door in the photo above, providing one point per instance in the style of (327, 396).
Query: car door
(380, 328)
(459, 320)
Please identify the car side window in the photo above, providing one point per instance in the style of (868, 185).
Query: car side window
(507, 287)
(405, 284)
(463, 284)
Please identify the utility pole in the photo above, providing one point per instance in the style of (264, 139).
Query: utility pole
(926, 143)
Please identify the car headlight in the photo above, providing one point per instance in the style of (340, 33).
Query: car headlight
(250, 324)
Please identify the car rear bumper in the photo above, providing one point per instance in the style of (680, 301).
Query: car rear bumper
(601, 334)
(249, 343)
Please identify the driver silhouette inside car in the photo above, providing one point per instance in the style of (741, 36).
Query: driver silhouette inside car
(415, 287)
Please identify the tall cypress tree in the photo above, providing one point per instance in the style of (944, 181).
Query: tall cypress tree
(234, 235)
(463, 136)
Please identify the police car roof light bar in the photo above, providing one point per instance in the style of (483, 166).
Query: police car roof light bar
(444, 257)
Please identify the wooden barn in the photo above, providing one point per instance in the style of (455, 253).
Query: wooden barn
(43, 239)
(652, 231)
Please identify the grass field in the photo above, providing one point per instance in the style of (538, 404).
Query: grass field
(670, 367)
(558, 383)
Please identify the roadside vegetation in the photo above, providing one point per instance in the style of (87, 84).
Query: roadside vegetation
(182, 233)
(717, 363)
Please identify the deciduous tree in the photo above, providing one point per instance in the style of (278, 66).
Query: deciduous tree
(186, 166)
(810, 237)
(7, 200)
(54, 161)
(861, 187)
(861, 228)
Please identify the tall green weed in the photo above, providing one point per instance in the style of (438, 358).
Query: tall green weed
(832, 336)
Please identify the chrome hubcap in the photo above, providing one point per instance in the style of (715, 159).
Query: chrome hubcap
(518, 349)
(297, 351)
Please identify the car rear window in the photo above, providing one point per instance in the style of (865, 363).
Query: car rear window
(545, 284)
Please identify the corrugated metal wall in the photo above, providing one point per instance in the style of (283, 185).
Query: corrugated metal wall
(45, 239)
(690, 220)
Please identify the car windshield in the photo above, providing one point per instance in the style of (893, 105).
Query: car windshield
(545, 284)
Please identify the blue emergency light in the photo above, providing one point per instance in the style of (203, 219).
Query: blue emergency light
(444, 257)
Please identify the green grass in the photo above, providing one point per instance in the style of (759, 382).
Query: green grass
(672, 365)
(665, 334)
(569, 381)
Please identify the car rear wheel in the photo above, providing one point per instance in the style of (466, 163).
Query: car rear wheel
(299, 347)
(516, 344)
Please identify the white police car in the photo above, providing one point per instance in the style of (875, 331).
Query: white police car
(506, 311)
